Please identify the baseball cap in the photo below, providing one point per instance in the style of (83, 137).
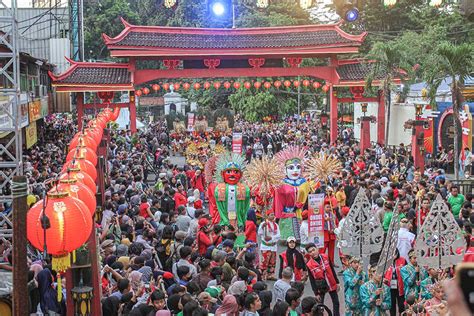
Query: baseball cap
(291, 238)
(213, 291)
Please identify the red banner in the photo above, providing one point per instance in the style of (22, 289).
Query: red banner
(315, 219)
(237, 143)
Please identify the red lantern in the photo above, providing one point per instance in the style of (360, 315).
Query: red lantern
(77, 190)
(325, 88)
(247, 85)
(207, 85)
(217, 85)
(237, 85)
(227, 84)
(176, 86)
(296, 83)
(107, 111)
(267, 85)
(197, 86)
(70, 224)
(138, 93)
(257, 84)
(277, 84)
(306, 83)
(287, 83)
(186, 86)
(155, 87)
(81, 176)
(146, 91)
(83, 140)
(82, 164)
(94, 132)
(316, 85)
(116, 114)
(166, 86)
(83, 152)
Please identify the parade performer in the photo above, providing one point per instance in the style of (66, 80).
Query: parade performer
(294, 259)
(330, 224)
(393, 279)
(412, 274)
(436, 305)
(232, 197)
(291, 196)
(269, 234)
(427, 283)
(354, 277)
(322, 276)
(375, 295)
(469, 255)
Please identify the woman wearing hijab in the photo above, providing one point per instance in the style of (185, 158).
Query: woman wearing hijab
(292, 258)
(135, 278)
(251, 226)
(48, 295)
(229, 307)
(266, 298)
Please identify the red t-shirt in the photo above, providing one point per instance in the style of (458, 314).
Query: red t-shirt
(143, 210)
(250, 231)
(204, 242)
(179, 199)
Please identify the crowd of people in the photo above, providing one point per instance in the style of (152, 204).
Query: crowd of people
(162, 255)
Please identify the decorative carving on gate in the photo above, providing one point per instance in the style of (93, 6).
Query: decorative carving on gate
(357, 91)
(171, 64)
(362, 233)
(440, 242)
(256, 62)
(212, 63)
(294, 61)
(389, 249)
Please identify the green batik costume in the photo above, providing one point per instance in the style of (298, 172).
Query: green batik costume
(368, 298)
(352, 284)
(410, 277)
(425, 288)
(233, 202)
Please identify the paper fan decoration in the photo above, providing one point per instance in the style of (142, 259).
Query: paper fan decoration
(321, 167)
(263, 174)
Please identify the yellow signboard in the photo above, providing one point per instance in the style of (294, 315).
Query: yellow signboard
(31, 135)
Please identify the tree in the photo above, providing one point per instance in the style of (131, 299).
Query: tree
(389, 63)
(457, 63)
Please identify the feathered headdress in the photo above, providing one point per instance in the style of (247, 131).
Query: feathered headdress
(226, 161)
(291, 153)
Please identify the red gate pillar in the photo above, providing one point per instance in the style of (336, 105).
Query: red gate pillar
(133, 113)
(80, 109)
(364, 133)
(332, 115)
(381, 119)
(417, 145)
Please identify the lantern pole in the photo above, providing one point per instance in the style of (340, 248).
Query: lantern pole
(20, 272)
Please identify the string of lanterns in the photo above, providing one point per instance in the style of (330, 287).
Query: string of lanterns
(310, 84)
(63, 220)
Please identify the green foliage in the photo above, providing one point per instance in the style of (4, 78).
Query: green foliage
(254, 107)
(104, 17)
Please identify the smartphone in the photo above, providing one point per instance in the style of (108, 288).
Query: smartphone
(465, 279)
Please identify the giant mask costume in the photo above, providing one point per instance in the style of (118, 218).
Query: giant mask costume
(232, 197)
(292, 194)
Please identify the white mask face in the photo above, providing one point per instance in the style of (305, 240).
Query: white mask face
(293, 170)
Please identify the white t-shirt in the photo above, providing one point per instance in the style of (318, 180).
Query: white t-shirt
(405, 242)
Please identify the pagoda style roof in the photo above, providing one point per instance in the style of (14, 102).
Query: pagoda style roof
(87, 76)
(186, 42)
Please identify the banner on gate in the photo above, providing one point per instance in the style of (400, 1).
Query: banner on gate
(315, 219)
(191, 119)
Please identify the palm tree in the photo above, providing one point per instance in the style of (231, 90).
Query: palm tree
(457, 63)
(386, 63)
